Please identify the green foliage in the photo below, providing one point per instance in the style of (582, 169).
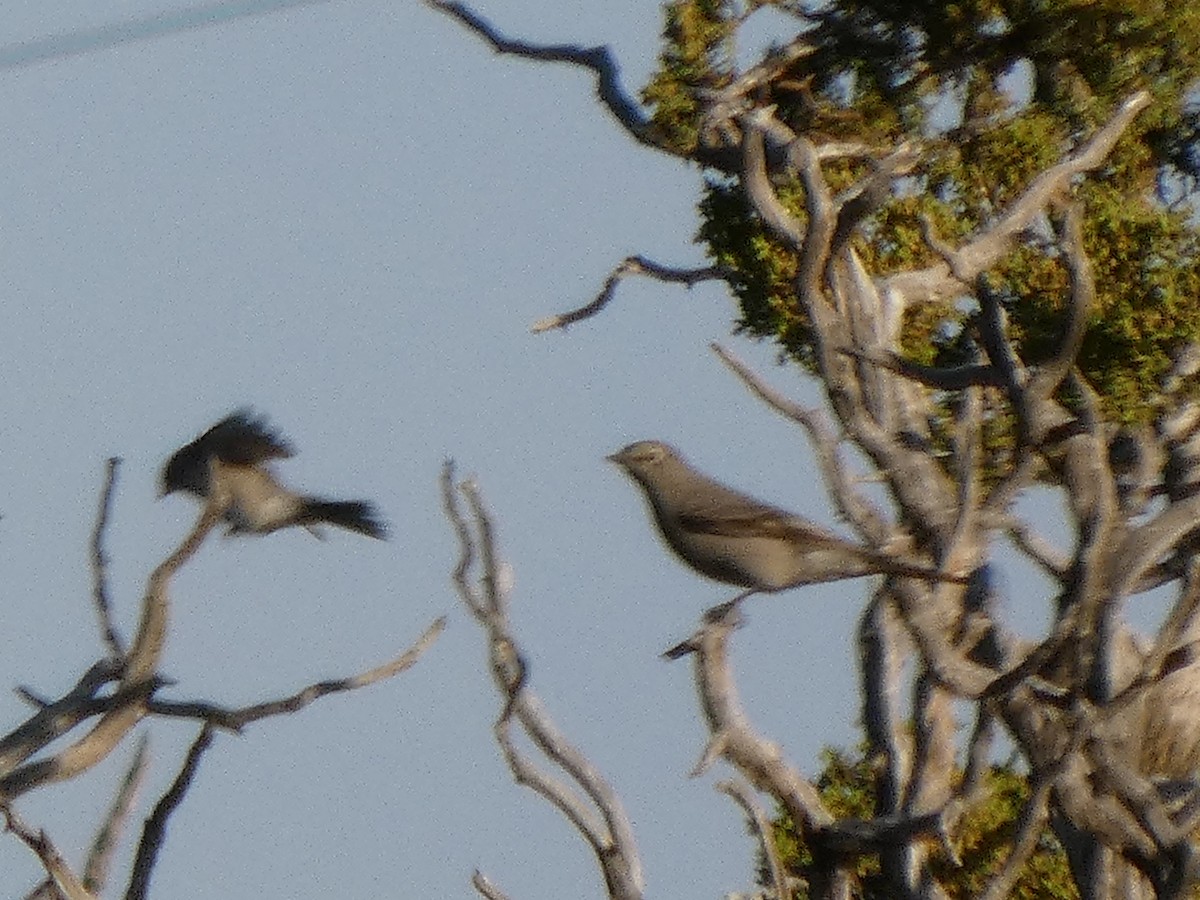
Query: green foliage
(695, 39)
(949, 76)
(847, 786)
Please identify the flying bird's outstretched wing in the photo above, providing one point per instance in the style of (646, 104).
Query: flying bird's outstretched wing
(240, 439)
(243, 439)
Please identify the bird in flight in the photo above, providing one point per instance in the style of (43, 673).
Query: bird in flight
(234, 458)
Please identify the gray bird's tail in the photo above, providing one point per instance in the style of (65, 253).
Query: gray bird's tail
(355, 515)
(890, 566)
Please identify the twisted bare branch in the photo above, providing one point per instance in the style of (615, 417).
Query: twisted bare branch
(943, 279)
(598, 60)
(100, 563)
(137, 676)
(631, 265)
(585, 798)
(236, 719)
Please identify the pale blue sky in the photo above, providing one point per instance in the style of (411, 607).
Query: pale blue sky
(348, 214)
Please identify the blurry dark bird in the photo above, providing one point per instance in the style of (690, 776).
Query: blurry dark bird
(733, 538)
(233, 456)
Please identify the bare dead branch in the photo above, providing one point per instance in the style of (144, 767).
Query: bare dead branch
(237, 719)
(928, 791)
(1143, 545)
(740, 792)
(138, 677)
(600, 818)
(47, 890)
(866, 837)
(940, 281)
(775, 63)
(155, 828)
(869, 194)
(99, 861)
(968, 459)
(100, 563)
(631, 265)
(55, 719)
(1179, 621)
(850, 503)
(810, 238)
(1036, 658)
(882, 651)
(1092, 498)
(1052, 560)
(935, 243)
(1136, 793)
(56, 867)
(599, 60)
(957, 378)
(950, 665)
(1034, 815)
(760, 761)
(994, 512)
(979, 754)
(1079, 308)
(485, 887)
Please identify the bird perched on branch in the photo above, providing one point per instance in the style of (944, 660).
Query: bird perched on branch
(233, 456)
(733, 538)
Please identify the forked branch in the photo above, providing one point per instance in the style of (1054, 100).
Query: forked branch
(584, 797)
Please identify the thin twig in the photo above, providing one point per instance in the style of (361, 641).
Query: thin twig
(740, 792)
(597, 59)
(485, 887)
(156, 826)
(138, 676)
(954, 378)
(632, 265)
(1053, 561)
(1032, 820)
(237, 719)
(1082, 301)
(104, 846)
(69, 886)
(100, 562)
(852, 505)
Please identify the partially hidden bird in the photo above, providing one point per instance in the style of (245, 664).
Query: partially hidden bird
(736, 539)
(234, 456)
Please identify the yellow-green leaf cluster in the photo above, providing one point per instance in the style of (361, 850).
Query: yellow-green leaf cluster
(982, 841)
(995, 92)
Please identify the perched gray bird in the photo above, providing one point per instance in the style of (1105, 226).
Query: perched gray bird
(733, 538)
(234, 454)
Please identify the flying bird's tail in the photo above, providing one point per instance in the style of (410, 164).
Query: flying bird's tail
(355, 515)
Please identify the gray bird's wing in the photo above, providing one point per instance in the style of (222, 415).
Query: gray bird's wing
(243, 439)
(765, 522)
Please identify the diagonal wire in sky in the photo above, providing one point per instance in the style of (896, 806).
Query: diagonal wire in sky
(89, 40)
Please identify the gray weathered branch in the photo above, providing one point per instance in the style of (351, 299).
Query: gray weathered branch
(584, 797)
